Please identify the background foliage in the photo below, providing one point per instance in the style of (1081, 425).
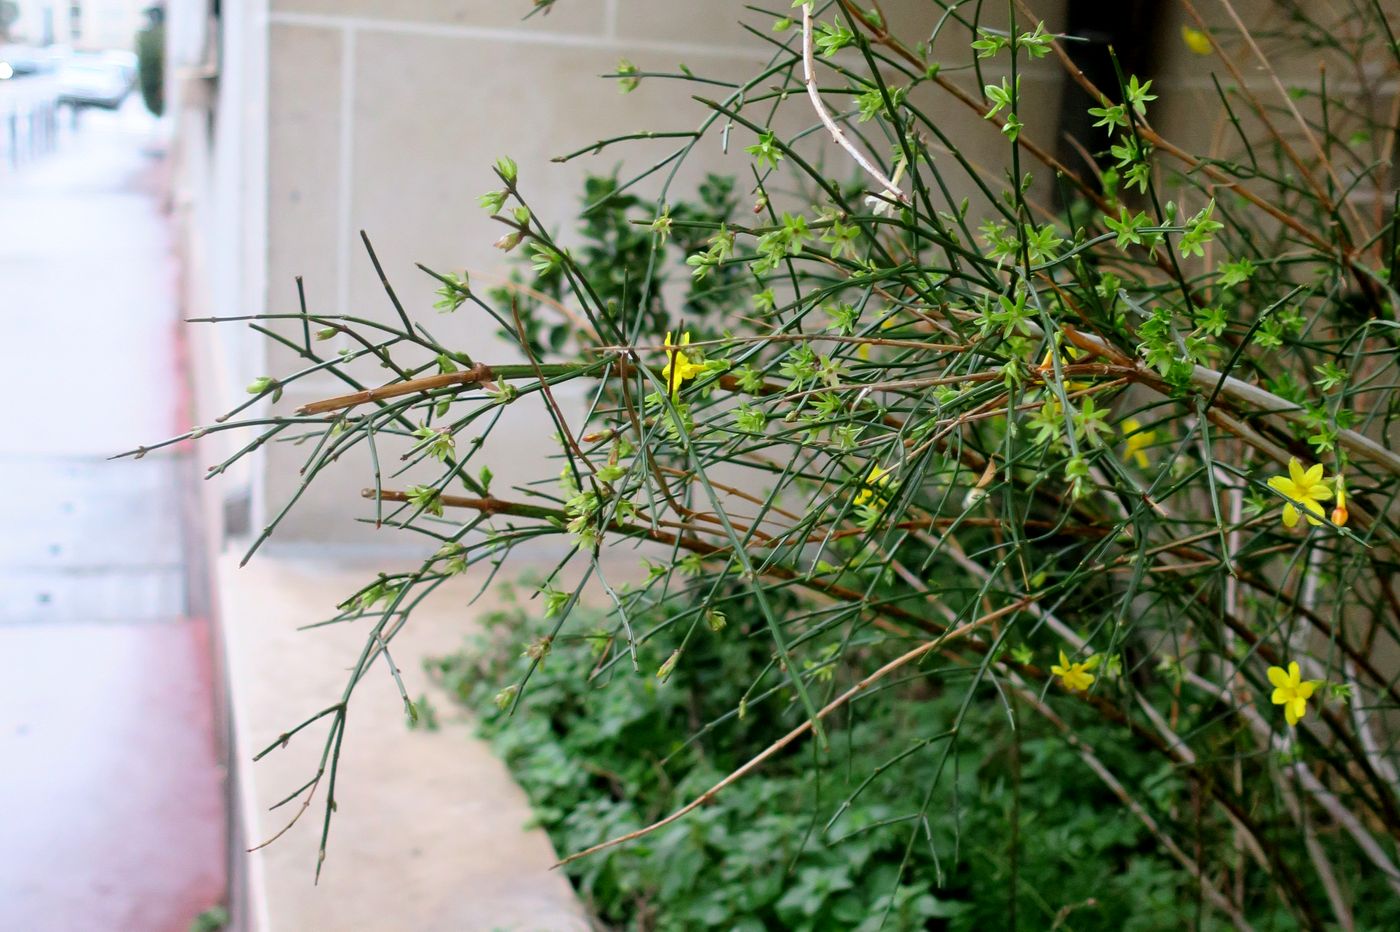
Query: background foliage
(597, 762)
(150, 64)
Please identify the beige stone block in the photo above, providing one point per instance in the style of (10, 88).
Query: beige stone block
(714, 22)
(567, 16)
(303, 199)
(1277, 35)
(1191, 114)
(915, 21)
(1194, 118)
(986, 153)
(720, 23)
(519, 450)
(419, 169)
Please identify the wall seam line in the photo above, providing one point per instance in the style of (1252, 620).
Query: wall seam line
(523, 36)
(345, 166)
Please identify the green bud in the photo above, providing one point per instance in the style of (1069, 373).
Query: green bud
(505, 165)
(664, 672)
(493, 201)
(506, 696)
(627, 76)
(538, 649)
(264, 384)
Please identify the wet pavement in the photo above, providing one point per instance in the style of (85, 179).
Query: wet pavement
(112, 809)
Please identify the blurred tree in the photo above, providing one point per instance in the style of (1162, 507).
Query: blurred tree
(9, 12)
(150, 53)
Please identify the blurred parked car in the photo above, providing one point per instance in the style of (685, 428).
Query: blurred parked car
(94, 81)
(18, 61)
(123, 60)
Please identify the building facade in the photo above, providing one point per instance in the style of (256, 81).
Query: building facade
(299, 123)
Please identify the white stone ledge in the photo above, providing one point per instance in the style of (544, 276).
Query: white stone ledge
(430, 829)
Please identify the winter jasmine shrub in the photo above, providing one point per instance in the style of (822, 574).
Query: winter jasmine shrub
(1018, 558)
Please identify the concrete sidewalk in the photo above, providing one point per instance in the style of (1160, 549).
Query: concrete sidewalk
(113, 810)
(430, 831)
(112, 807)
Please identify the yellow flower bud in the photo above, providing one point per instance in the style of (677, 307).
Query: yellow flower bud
(1339, 514)
(1196, 40)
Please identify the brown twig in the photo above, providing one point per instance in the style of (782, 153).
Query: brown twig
(477, 374)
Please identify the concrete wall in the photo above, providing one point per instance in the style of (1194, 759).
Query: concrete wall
(386, 116)
(1191, 112)
(216, 90)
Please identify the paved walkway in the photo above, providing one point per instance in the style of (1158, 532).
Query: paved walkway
(430, 833)
(112, 814)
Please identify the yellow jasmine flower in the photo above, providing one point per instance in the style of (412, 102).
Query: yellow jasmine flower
(1135, 440)
(1196, 40)
(1075, 676)
(1339, 514)
(874, 486)
(863, 351)
(1291, 692)
(1304, 487)
(1069, 354)
(679, 367)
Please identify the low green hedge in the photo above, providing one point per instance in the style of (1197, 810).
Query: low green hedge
(805, 843)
